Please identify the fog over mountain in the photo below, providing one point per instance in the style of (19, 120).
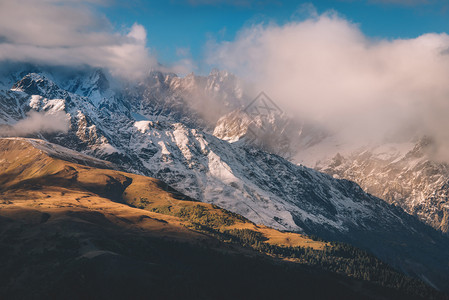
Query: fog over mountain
(36, 122)
(325, 70)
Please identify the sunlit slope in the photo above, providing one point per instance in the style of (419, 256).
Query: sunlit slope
(32, 176)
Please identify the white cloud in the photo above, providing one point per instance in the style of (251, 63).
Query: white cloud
(326, 70)
(38, 122)
(60, 32)
(138, 33)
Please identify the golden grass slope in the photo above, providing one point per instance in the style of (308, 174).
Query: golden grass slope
(34, 182)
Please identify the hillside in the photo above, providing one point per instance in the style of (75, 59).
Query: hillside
(72, 227)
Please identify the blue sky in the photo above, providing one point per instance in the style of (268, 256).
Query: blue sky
(175, 26)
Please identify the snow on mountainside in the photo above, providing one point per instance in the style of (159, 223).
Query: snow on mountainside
(401, 173)
(95, 87)
(144, 136)
(274, 133)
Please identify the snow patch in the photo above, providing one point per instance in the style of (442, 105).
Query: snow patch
(143, 126)
(108, 149)
(34, 101)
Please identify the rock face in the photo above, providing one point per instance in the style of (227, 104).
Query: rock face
(161, 136)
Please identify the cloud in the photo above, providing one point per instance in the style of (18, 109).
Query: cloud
(56, 32)
(185, 63)
(326, 71)
(38, 122)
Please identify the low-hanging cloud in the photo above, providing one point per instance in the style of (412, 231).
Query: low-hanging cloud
(38, 122)
(325, 70)
(56, 32)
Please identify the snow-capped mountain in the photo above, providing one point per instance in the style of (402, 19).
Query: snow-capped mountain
(403, 174)
(150, 130)
(274, 132)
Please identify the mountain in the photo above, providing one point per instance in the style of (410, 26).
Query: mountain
(272, 131)
(197, 101)
(405, 173)
(137, 136)
(72, 226)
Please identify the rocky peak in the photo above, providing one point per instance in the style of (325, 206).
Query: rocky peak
(35, 84)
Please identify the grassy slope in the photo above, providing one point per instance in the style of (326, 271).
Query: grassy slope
(30, 178)
(62, 213)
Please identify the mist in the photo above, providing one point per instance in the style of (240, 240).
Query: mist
(38, 122)
(325, 71)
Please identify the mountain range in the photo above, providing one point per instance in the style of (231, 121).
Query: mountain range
(187, 132)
